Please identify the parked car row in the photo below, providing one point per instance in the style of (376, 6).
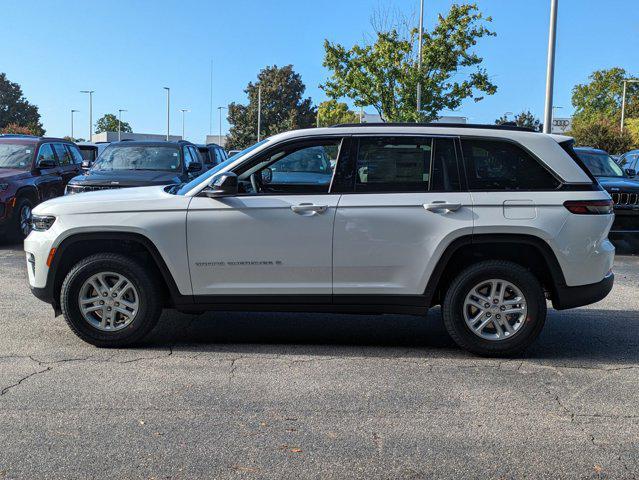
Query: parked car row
(35, 169)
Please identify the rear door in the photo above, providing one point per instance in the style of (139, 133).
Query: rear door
(69, 167)
(403, 204)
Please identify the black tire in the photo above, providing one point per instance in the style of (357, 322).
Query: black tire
(453, 305)
(16, 232)
(149, 293)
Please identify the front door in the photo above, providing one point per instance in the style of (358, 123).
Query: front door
(407, 204)
(275, 237)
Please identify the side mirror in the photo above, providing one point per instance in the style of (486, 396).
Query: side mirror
(267, 176)
(194, 167)
(86, 164)
(631, 172)
(223, 185)
(46, 163)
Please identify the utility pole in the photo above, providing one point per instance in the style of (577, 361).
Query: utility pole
(550, 68)
(72, 112)
(419, 54)
(183, 110)
(259, 111)
(120, 124)
(90, 92)
(168, 111)
(623, 100)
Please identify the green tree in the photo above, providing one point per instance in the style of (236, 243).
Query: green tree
(109, 123)
(283, 107)
(332, 112)
(385, 74)
(523, 119)
(602, 133)
(15, 110)
(602, 96)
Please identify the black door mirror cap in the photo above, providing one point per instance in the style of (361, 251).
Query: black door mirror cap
(46, 164)
(222, 185)
(631, 172)
(194, 167)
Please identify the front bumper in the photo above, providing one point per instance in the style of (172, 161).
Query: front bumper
(626, 220)
(572, 297)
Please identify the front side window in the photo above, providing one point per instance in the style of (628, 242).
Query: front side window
(137, 157)
(501, 165)
(306, 168)
(16, 155)
(46, 154)
(601, 164)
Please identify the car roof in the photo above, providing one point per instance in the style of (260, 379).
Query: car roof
(150, 143)
(32, 139)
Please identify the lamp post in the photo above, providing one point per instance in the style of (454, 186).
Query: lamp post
(90, 92)
(259, 111)
(183, 110)
(623, 100)
(168, 111)
(419, 54)
(72, 112)
(120, 123)
(550, 67)
(219, 139)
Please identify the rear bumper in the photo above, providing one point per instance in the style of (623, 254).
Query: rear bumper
(572, 297)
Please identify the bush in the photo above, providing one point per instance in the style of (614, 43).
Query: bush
(602, 133)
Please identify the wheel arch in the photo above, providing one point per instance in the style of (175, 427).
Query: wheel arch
(80, 245)
(527, 250)
(30, 192)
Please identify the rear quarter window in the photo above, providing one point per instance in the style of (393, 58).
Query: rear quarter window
(501, 165)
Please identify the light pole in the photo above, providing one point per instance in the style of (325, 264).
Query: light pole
(120, 123)
(72, 112)
(183, 110)
(90, 92)
(259, 111)
(419, 54)
(168, 111)
(550, 68)
(219, 139)
(623, 99)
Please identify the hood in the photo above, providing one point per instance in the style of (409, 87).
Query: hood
(619, 184)
(117, 200)
(126, 178)
(10, 173)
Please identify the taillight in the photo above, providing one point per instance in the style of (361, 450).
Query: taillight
(589, 207)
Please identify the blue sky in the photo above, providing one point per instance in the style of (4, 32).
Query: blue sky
(128, 50)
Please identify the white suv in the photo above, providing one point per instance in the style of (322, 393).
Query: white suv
(487, 222)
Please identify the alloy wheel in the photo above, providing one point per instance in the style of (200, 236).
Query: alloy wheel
(109, 301)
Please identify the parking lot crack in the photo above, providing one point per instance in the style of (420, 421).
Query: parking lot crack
(23, 379)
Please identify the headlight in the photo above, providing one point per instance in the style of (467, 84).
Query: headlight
(3, 186)
(41, 223)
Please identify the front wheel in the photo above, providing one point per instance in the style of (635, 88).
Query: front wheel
(110, 300)
(21, 219)
(494, 308)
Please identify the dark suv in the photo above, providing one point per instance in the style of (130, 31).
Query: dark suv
(212, 154)
(32, 169)
(621, 184)
(139, 164)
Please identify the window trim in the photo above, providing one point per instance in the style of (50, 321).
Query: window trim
(559, 180)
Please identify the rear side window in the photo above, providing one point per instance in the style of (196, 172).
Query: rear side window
(499, 165)
(406, 164)
(75, 153)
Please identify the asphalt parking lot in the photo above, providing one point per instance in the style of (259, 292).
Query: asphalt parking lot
(238, 395)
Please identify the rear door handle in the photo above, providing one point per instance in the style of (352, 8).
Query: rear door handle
(440, 205)
(303, 208)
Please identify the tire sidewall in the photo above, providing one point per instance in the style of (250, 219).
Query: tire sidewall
(16, 227)
(147, 312)
(518, 276)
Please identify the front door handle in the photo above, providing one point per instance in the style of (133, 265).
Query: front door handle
(309, 208)
(440, 205)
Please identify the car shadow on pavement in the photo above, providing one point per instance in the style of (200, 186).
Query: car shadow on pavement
(584, 336)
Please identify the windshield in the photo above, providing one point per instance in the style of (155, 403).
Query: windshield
(15, 155)
(183, 188)
(137, 157)
(601, 164)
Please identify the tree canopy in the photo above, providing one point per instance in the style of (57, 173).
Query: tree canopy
(523, 119)
(602, 133)
(109, 123)
(385, 74)
(283, 107)
(601, 97)
(332, 112)
(16, 111)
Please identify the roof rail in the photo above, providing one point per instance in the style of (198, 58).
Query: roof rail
(438, 125)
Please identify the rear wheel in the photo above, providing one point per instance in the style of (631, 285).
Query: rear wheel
(494, 308)
(110, 300)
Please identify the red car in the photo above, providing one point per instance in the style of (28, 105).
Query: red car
(32, 169)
